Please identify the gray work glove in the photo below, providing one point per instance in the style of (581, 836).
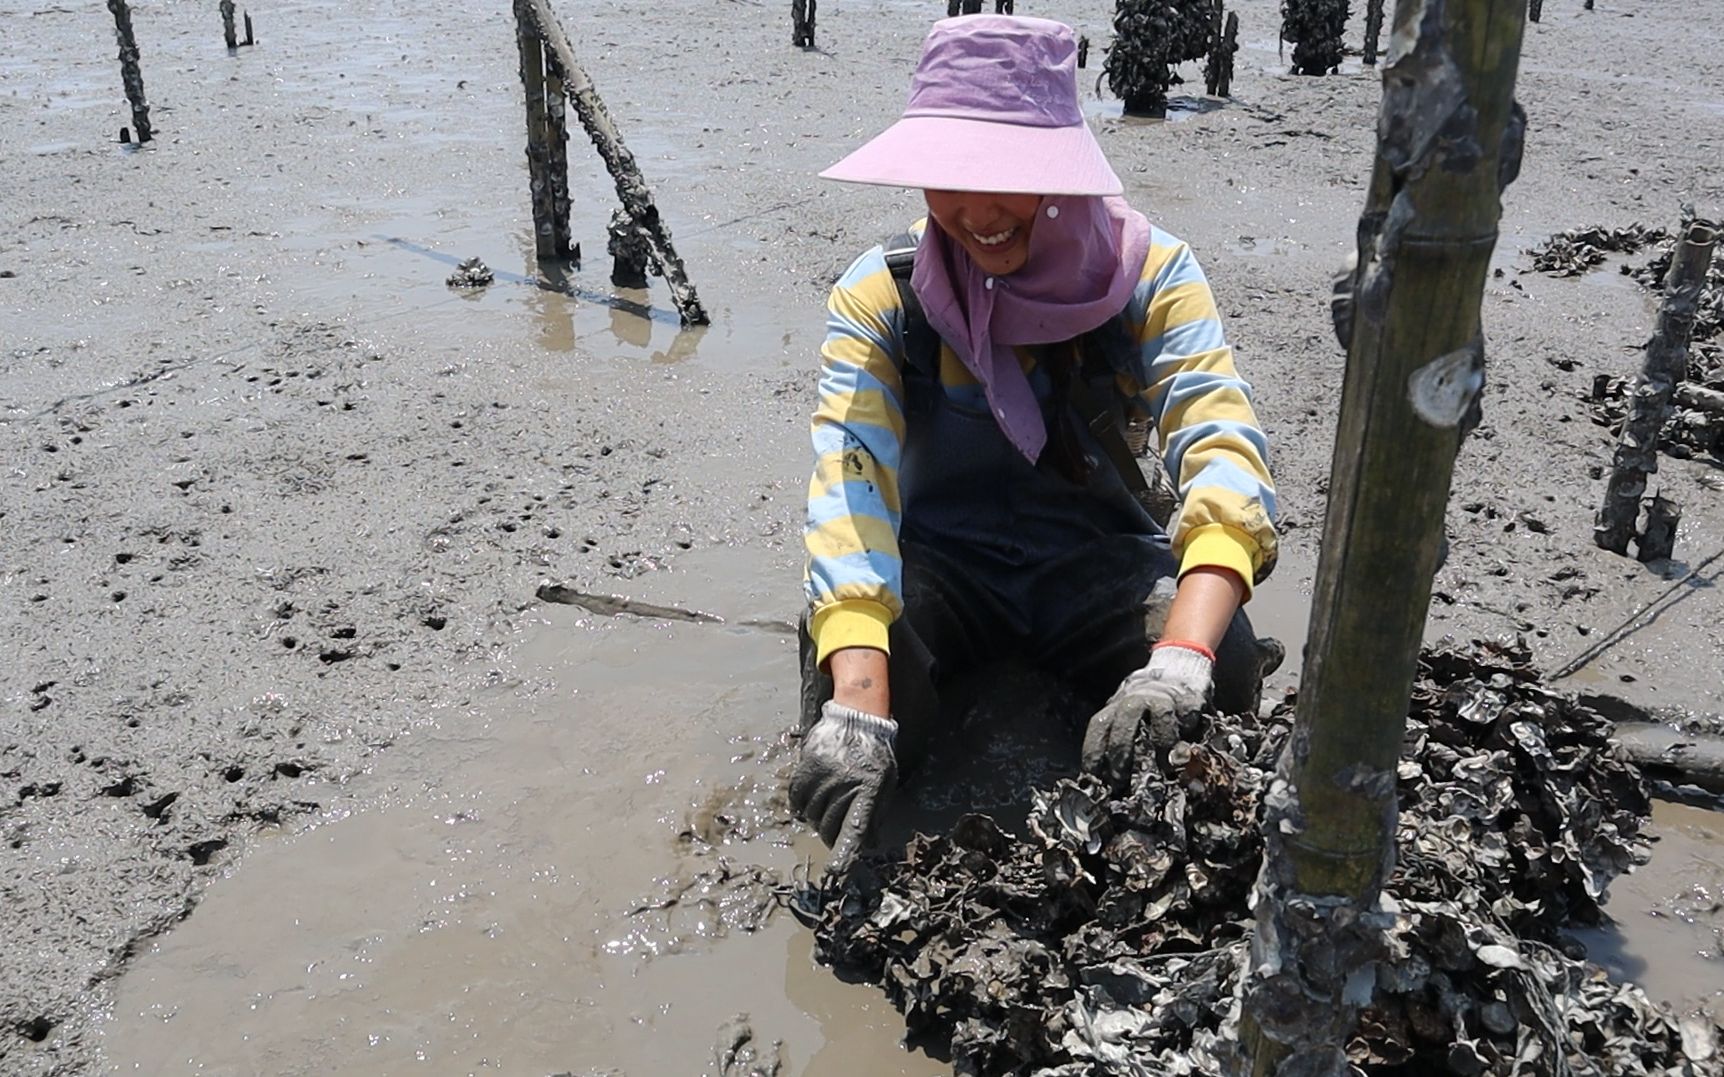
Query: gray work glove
(843, 775)
(1172, 688)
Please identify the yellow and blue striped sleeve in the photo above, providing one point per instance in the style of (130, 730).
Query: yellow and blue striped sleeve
(1214, 449)
(854, 576)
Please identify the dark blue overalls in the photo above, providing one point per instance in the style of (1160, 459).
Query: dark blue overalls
(1009, 560)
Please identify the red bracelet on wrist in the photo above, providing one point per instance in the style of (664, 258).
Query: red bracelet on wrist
(1186, 644)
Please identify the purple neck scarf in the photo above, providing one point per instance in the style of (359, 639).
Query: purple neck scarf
(1085, 259)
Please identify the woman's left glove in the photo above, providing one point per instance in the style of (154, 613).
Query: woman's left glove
(1174, 686)
(844, 772)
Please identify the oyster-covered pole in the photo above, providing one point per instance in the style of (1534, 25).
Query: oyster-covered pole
(1448, 140)
(1665, 366)
(1315, 28)
(130, 75)
(1151, 38)
(632, 190)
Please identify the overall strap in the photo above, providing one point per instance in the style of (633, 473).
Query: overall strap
(1097, 404)
(921, 343)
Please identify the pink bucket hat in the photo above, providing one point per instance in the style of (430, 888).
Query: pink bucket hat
(993, 107)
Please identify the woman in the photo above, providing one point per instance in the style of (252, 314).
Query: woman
(962, 507)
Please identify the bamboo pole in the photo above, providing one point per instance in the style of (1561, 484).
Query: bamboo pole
(227, 28)
(631, 188)
(1448, 140)
(1665, 364)
(130, 74)
(1534, 9)
(539, 173)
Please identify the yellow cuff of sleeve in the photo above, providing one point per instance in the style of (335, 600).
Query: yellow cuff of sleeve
(1220, 546)
(854, 622)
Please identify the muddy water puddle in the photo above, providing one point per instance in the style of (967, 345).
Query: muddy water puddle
(479, 914)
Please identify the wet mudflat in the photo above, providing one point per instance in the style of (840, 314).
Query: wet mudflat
(278, 504)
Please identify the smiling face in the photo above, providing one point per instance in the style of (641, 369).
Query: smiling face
(993, 228)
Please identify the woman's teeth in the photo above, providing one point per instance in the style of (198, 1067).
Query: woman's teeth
(998, 239)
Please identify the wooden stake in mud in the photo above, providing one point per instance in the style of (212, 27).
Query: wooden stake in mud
(1665, 364)
(557, 156)
(1374, 29)
(129, 72)
(637, 200)
(1448, 140)
(1534, 9)
(541, 149)
(227, 29)
(1218, 67)
(802, 23)
(1082, 52)
(249, 40)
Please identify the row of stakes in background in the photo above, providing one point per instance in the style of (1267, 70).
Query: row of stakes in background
(1153, 37)
(639, 240)
(132, 76)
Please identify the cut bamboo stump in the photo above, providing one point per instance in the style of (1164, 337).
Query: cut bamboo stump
(1649, 400)
(632, 190)
(130, 75)
(1658, 537)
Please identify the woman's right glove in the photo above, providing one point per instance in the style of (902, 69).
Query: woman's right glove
(844, 772)
(1173, 687)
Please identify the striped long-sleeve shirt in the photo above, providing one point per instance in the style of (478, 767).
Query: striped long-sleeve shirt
(1182, 377)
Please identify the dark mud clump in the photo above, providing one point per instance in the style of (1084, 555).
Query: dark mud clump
(1110, 938)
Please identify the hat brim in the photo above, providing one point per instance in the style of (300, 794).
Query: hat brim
(949, 153)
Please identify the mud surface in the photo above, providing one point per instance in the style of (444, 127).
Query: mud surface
(278, 504)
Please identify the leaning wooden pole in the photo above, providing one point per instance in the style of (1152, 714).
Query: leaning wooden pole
(129, 71)
(1649, 401)
(1448, 141)
(631, 188)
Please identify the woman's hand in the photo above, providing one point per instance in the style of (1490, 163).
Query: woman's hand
(1174, 685)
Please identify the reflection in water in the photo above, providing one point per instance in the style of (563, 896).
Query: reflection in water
(682, 346)
(630, 326)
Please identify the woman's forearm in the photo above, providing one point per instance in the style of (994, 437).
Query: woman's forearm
(859, 680)
(1204, 606)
